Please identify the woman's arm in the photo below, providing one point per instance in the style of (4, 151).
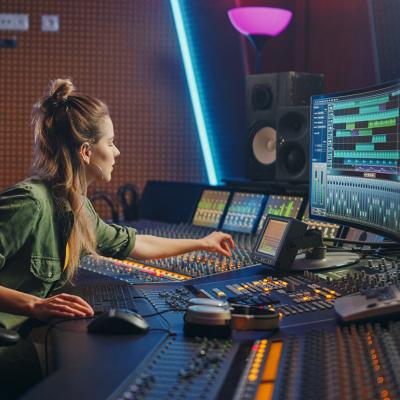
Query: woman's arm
(147, 246)
(59, 306)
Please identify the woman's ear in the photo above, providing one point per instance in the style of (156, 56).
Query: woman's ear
(85, 152)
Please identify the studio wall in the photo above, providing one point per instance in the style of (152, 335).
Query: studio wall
(123, 52)
(329, 37)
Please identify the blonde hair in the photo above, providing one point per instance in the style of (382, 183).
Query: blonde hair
(62, 121)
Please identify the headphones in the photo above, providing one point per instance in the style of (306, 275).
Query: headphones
(217, 318)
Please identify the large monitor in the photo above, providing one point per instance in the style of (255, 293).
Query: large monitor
(355, 152)
(211, 208)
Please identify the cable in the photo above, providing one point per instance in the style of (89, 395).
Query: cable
(107, 198)
(159, 313)
(163, 312)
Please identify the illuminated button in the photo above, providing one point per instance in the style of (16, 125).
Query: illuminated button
(252, 377)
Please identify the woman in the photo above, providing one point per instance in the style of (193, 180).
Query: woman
(47, 223)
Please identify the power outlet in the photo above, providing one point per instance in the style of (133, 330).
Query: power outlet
(50, 23)
(14, 22)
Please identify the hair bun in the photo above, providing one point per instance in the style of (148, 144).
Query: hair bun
(61, 89)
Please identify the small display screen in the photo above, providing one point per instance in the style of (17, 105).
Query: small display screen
(243, 212)
(210, 208)
(272, 237)
(282, 206)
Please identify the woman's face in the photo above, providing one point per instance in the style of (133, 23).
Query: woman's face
(103, 153)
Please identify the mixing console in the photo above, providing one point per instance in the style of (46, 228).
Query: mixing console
(128, 271)
(355, 362)
(193, 368)
(310, 357)
(194, 264)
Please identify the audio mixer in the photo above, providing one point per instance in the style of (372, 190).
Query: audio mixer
(311, 356)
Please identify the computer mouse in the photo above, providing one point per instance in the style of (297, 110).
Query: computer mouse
(8, 336)
(118, 321)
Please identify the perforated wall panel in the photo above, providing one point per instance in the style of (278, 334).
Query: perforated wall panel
(122, 51)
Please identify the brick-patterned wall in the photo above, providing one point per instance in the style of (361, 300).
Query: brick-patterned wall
(124, 52)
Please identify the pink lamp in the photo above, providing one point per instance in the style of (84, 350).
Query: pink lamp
(259, 23)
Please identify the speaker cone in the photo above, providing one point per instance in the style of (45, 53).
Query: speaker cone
(264, 145)
(292, 158)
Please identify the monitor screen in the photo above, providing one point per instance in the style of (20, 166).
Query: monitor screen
(210, 208)
(272, 238)
(282, 206)
(243, 212)
(355, 151)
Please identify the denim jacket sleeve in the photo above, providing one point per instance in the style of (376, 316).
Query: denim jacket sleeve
(19, 214)
(112, 240)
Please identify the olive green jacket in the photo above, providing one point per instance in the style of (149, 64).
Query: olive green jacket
(34, 230)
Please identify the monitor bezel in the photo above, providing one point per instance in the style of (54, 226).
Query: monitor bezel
(343, 221)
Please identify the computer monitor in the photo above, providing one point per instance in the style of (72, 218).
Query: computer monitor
(243, 212)
(281, 206)
(355, 152)
(210, 208)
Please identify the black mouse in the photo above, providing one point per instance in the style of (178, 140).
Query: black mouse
(8, 336)
(118, 321)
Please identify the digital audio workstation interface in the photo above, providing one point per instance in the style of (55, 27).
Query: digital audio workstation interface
(210, 209)
(355, 158)
(243, 212)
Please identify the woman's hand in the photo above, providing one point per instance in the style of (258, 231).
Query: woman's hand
(218, 242)
(60, 306)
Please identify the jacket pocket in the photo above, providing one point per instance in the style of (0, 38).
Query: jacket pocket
(46, 269)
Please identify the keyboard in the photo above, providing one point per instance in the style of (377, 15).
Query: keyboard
(104, 297)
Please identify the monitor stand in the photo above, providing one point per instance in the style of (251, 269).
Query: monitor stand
(331, 260)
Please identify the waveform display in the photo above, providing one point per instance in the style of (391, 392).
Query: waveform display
(243, 212)
(210, 208)
(382, 115)
(282, 206)
(374, 203)
(393, 155)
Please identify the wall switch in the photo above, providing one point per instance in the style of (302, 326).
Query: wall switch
(50, 23)
(14, 22)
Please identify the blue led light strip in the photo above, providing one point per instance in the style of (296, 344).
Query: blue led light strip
(194, 93)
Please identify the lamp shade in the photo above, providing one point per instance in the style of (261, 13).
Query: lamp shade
(266, 21)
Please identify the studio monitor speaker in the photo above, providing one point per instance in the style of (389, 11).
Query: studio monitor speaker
(292, 144)
(266, 94)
